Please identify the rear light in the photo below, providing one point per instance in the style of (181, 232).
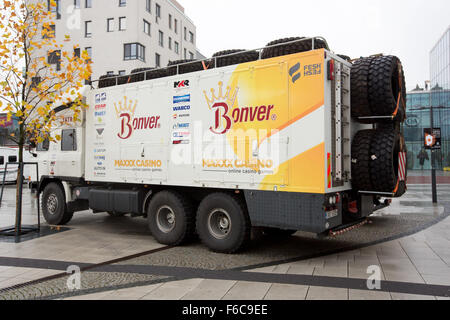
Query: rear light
(331, 70)
(338, 198)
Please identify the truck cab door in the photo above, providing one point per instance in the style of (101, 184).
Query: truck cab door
(69, 161)
(42, 158)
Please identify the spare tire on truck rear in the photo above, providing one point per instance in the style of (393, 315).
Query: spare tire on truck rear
(107, 81)
(386, 87)
(234, 56)
(359, 80)
(388, 168)
(284, 47)
(362, 142)
(184, 66)
(138, 74)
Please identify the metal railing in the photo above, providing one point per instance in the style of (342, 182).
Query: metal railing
(208, 60)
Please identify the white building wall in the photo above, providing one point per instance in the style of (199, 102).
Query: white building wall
(108, 47)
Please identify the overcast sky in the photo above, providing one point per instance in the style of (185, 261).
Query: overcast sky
(405, 28)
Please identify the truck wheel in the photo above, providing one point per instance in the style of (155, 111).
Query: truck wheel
(54, 206)
(386, 82)
(282, 50)
(240, 56)
(361, 160)
(171, 218)
(275, 232)
(223, 224)
(384, 164)
(359, 89)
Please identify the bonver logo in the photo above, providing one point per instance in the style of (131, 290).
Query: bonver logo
(125, 111)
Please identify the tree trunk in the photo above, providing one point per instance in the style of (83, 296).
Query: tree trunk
(19, 184)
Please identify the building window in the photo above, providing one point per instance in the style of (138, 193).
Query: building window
(89, 52)
(185, 33)
(54, 57)
(147, 27)
(134, 51)
(191, 37)
(170, 21)
(161, 38)
(148, 5)
(157, 60)
(69, 140)
(49, 32)
(122, 72)
(122, 3)
(110, 25)
(76, 4)
(110, 73)
(56, 9)
(88, 4)
(177, 48)
(158, 12)
(191, 55)
(77, 52)
(122, 23)
(176, 26)
(170, 43)
(185, 53)
(88, 29)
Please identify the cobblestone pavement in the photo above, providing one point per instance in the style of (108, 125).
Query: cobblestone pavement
(417, 257)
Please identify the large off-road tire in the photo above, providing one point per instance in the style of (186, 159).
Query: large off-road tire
(138, 74)
(171, 218)
(223, 223)
(361, 147)
(359, 79)
(384, 150)
(282, 50)
(185, 66)
(385, 83)
(107, 81)
(346, 58)
(54, 206)
(234, 56)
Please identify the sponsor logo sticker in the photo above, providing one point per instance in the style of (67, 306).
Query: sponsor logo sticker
(182, 99)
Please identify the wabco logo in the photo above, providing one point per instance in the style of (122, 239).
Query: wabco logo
(129, 123)
(181, 84)
(182, 108)
(225, 115)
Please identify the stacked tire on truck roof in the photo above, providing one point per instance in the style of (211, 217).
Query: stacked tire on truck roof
(378, 97)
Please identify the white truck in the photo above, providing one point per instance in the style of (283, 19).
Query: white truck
(285, 138)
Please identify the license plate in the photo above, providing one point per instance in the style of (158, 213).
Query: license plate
(332, 214)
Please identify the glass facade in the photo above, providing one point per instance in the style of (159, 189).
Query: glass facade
(418, 111)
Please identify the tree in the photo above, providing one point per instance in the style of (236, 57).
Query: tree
(36, 75)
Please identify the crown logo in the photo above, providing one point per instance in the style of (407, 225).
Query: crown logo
(229, 97)
(126, 106)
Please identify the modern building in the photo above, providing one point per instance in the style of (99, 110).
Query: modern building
(419, 100)
(122, 35)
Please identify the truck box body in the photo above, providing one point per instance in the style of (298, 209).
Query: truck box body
(267, 125)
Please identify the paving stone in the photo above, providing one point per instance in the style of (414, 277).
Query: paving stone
(245, 290)
(325, 293)
(286, 292)
(368, 295)
(210, 289)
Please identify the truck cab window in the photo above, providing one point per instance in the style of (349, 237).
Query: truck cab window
(2, 160)
(69, 140)
(12, 159)
(44, 145)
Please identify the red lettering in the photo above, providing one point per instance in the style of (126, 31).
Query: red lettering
(126, 128)
(221, 115)
(262, 113)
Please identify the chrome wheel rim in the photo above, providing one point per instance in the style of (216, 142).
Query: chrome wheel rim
(219, 223)
(52, 203)
(165, 219)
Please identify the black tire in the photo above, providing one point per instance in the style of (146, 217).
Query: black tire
(186, 66)
(346, 58)
(107, 81)
(138, 74)
(361, 147)
(360, 88)
(157, 73)
(54, 206)
(223, 224)
(384, 164)
(296, 47)
(386, 81)
(171, 218)
(237, 56)
(275, 232)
